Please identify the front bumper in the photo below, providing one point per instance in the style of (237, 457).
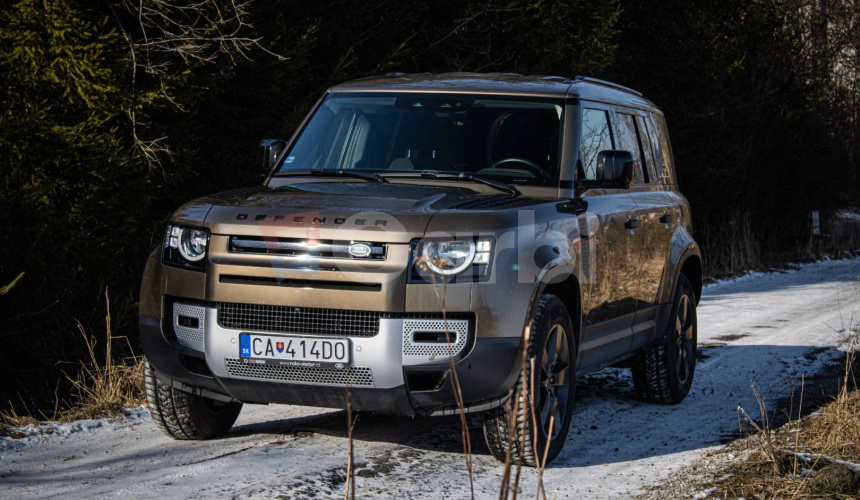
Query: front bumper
(389, 373)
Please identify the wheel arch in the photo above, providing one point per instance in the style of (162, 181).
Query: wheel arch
(568, 290)
(685, 259)
(691, 267)
(689, 262)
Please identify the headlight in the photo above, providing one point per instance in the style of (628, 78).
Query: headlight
(185, 247)
(192, 244)
(448, 257)
(463, 260)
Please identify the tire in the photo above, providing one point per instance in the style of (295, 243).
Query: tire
(663, 373)
(181, 415)
(553, 347)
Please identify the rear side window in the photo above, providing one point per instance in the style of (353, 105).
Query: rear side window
(596, 137)
(662, 149)
(645, 143)
(628, 141)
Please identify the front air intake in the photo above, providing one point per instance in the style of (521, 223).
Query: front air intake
(188, 325)
(300, 320)
(351, 376)
(425, 340)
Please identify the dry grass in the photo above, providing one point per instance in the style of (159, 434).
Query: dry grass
(816, 457)
(99, 390)
(104, 390)
(440, 290)
(442, 295)
(349, 490)
(9, 420)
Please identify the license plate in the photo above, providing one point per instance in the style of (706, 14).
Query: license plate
(307, 352)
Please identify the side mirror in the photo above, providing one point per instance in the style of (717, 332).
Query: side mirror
(615, 168)
(268, 153)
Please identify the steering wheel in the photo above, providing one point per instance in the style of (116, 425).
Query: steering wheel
(532, 166)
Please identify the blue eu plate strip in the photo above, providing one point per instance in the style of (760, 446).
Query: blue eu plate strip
(244, 346)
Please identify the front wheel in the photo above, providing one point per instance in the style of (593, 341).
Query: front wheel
(552, 347)
(663, 373)
(181, 415)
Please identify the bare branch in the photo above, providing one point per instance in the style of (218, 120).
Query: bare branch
(165, 33)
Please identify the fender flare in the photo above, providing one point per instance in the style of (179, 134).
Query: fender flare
(538, 290)
(690, 252)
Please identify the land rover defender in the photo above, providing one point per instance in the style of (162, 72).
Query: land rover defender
(418, 232)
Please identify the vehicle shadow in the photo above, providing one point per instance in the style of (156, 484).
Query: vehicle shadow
(611, 425)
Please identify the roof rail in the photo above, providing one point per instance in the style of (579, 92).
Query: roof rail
(605, 83)
(556, 78)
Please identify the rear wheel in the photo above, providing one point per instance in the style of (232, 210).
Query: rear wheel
(663, 373)
(553, 348)
(181, 415)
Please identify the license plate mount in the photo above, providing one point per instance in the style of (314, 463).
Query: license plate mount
(296, 351)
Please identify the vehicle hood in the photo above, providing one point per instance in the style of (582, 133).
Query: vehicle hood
(391, 212)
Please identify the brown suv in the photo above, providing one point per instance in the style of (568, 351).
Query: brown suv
(419, 224)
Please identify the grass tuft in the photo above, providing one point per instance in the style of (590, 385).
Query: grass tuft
(103, 390)
(815, 457)
(99, 389)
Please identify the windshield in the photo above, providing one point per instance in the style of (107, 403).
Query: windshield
(511, 139)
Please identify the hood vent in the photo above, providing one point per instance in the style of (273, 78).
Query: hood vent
(490, 202)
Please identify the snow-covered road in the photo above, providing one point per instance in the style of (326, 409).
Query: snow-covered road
(768, 328)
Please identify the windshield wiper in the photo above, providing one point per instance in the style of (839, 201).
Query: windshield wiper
(502, 186)
(368, 176)
(283, 188)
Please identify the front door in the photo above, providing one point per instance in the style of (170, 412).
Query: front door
(609, 250)
(654, 215)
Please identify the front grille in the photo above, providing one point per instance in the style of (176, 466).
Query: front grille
(353, 376)
(301, 320)
(295, 247)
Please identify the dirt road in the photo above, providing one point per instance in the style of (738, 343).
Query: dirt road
(770, 328)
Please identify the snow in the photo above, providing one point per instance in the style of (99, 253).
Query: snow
(702, 495)
(33, 435)
(768, 328)
(847, 214)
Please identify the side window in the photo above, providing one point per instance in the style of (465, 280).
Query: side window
(663, 149)
(596, 137)
(646, 143)
(628, 141)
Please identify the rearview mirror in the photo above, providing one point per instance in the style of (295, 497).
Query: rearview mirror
(268, 153)
(615, 168)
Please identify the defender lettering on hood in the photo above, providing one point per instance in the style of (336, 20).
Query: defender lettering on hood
(316, 221)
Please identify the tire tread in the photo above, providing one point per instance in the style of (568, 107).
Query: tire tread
(497, 421)
(181, 415)
(652, 375)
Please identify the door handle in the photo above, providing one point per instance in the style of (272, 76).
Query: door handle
(632, 224)
(666, 219)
